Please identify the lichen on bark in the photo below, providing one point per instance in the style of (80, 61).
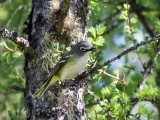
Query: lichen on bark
(51, 21)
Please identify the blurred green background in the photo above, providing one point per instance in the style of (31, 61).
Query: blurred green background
(13, 13)
(108, 31)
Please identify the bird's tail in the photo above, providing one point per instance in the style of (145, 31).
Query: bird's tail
(45, 86)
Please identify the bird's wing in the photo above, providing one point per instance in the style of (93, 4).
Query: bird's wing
(59, 65)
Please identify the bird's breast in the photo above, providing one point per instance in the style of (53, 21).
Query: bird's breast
(74, 67)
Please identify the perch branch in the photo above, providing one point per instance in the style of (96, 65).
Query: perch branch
(85, 75)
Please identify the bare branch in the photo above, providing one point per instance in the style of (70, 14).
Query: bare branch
(150, 29)
(123, 81)
(131, 49)
(132, 34)
(95, 113)
(18, 88)
(107, 74)
(85, 75)
(19, 76)
(142, 18)
(13, 36)
(147, 71)
(129, 23)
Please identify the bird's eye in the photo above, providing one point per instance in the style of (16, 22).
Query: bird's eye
(82, 49)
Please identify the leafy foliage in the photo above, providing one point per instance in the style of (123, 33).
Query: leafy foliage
(110, 32)
(11, 60)
(114, 99)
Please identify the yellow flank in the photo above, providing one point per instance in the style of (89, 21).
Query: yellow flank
(40, 92)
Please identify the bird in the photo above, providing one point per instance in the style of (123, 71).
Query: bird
(69, 66)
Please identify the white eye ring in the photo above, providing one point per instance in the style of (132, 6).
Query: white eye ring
(82, 48)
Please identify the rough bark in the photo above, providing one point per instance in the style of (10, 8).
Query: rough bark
(63, 21)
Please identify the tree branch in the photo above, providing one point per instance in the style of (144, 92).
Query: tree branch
(18, 88)
(85, 75)
(20, 41)
(142, 18)
(135, 7)
(132, 34)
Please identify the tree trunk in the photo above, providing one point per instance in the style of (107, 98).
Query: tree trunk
(65, 22)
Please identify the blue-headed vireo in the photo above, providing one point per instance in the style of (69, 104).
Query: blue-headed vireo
(69, 66)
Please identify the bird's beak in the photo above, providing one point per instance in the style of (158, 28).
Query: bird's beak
(92, 49)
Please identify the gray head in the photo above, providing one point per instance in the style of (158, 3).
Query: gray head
(82, 47)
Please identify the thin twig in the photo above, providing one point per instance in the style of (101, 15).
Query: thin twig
(92, 93)
(110, 109)
(107, 74)
(95, 113)
(20, 77)
(17, 88)
(85, 75)
(58, 51)
(108, 112)
(152, 100)
(123, 81)
(132, 34)
(129, 23)
(95, 60)
(156, 38)
(149, 28)
(147, 71)
(120, 80)
(13, 36)
(134, 116)
(158, 53)
(13, 50)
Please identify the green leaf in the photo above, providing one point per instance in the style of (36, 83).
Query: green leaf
(126, 6)
(92, 30)
(15, 71)
(63, 47)
(56, 55)
(5, 54)
(127, 29)
(12, 115)
(68, 49)
(100, 29)
(123, 15)
(149, 114)
(116, 72)
(105, 67)
(16, 55)
(141, 109)
(133, 20)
